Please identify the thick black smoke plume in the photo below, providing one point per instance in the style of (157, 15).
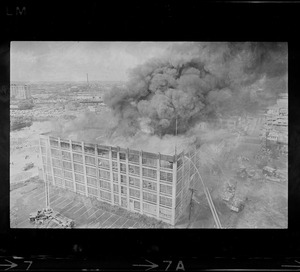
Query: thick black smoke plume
(196, 82)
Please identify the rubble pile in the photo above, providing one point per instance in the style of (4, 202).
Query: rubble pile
(46, 215)
(233, 202)
(28, 166)
(236, 204)
(229, 191)
(264, 153)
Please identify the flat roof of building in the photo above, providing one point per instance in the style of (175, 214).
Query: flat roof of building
(140, 144)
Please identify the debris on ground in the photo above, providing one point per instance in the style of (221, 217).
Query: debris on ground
(229, 190)
(242, 172)
(28, 166)
(274, 179)
(233, 202)
(46, 215)
(272, 174)
(236, 204)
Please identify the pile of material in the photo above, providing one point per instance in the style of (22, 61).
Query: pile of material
(236, 204)
(264, 153)
(229, 191)
(233, 202)
(28, 166)
(46, 215)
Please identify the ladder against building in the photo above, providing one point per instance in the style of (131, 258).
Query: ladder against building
(206, 192)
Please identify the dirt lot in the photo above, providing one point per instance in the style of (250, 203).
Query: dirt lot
(24, 148)
(29, 196)
(266, 204)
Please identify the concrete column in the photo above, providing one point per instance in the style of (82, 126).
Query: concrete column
(62, 168)
(48, 152)
(41, 159)
(174, 183)
(127, 178)
(84, 169)
(184, 179)
(51, 165)
(44, 171)
(119, 173)
(141, 182)
(97, 172)
(111, 176)
(158, 186)
(72, 162)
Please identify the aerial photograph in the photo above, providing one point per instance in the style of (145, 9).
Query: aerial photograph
(149, 135)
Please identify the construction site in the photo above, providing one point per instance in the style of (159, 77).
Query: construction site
(185, 143)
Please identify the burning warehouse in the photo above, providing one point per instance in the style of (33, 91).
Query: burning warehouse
(164, 101)
(153, 184)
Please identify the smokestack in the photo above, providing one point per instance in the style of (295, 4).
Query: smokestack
(87, 79)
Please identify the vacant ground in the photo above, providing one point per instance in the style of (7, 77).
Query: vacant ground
(266, 204)
(24, 148)
(28, 197)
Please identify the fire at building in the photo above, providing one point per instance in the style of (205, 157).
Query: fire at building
(196, 109)
(152, 184)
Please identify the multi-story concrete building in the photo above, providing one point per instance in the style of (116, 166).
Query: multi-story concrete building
(152, 184)
(18, 91)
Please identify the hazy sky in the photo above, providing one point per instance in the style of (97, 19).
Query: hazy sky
(71, 61)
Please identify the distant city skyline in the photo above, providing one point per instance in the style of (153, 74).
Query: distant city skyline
(71, 61)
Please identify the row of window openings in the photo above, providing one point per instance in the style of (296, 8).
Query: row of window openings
(106, 175)
(105, 153)
(102, 163)
(167, 190)
(90, 182)
(106, 196)
(148, 173)
(163, 212)
(132, 193)
(80, 187)
(91, 191)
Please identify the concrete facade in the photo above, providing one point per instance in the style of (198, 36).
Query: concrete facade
(152, 184)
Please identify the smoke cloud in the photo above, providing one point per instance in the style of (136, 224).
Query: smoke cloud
(196, 82)
(173, 101)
